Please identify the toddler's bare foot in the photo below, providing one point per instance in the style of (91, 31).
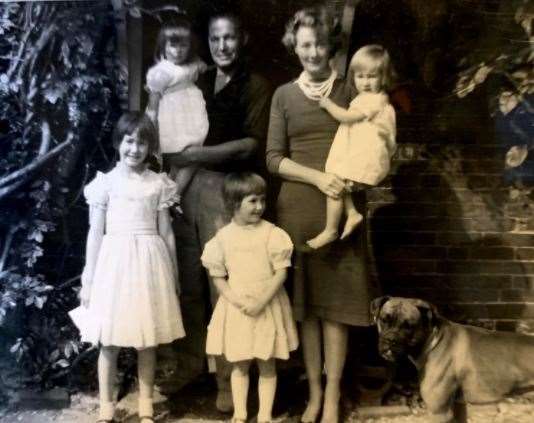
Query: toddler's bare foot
(324, 238)
(352, 222)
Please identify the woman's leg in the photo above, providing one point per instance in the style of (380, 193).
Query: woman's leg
(239, 380)
(334, 210)
(266, 389)
(146, 366)
(311, 348)
(354, 217)
(107, 374)
(335, 346)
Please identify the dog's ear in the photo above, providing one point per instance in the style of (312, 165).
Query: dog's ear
(376, 306)
(428, 311)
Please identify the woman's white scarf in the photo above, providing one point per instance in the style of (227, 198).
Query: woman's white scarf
(316, 90)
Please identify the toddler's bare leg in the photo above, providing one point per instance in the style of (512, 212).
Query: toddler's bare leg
(354, 217)
(334, 209)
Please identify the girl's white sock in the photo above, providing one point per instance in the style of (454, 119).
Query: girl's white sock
(107, 410)
(266, 393)
(239, 384)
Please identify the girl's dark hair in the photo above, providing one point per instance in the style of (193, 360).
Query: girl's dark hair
(170, 31)
(128, 123)
(318, 18)
(237, 186)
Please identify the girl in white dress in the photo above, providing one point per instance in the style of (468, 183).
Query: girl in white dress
(365, 141)
(129, 281)
(252, 320)
(175, 102)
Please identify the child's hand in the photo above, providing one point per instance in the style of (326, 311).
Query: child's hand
(85, 295)
(85, 292)
(253, 307)
(238, 301)
(324, 102)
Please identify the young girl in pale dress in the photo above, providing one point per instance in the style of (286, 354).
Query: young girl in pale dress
(365, 141)
(129, 278)
(248, 261)
(175, 102)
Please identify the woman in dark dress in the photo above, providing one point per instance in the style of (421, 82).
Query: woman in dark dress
(330, 285)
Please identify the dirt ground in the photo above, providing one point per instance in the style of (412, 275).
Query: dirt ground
(195, 404)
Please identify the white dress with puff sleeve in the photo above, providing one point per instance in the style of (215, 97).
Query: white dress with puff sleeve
(133, 300)
(248, 256)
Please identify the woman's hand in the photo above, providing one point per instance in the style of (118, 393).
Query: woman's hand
(330, 184)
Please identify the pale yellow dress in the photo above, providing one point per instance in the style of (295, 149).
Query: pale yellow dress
(248, 256)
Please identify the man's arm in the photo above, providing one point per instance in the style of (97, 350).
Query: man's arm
(257, 103)
(241, 149)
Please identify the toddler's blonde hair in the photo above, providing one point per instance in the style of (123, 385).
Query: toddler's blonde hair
(373, 56)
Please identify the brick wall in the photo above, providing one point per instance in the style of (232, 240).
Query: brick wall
(444, 227)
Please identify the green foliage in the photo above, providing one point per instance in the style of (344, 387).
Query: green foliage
(58, 99)
(504, 65)
(510, 58)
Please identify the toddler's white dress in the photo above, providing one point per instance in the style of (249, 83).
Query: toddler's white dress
(362, 151)
(248, 256)
(182, 116)
(133, 299)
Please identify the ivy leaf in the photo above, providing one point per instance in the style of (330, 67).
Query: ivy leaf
(68, 350)
(62, 363)
(55, 355)
(39, 301)
(36, 235)
(16, 346)
(52, 94)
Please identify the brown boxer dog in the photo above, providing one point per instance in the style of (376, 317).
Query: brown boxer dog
(450, 358)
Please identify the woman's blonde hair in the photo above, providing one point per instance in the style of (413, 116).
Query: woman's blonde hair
(373, 56)
(318, 17)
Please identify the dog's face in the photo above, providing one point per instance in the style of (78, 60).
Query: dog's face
(404, 324)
